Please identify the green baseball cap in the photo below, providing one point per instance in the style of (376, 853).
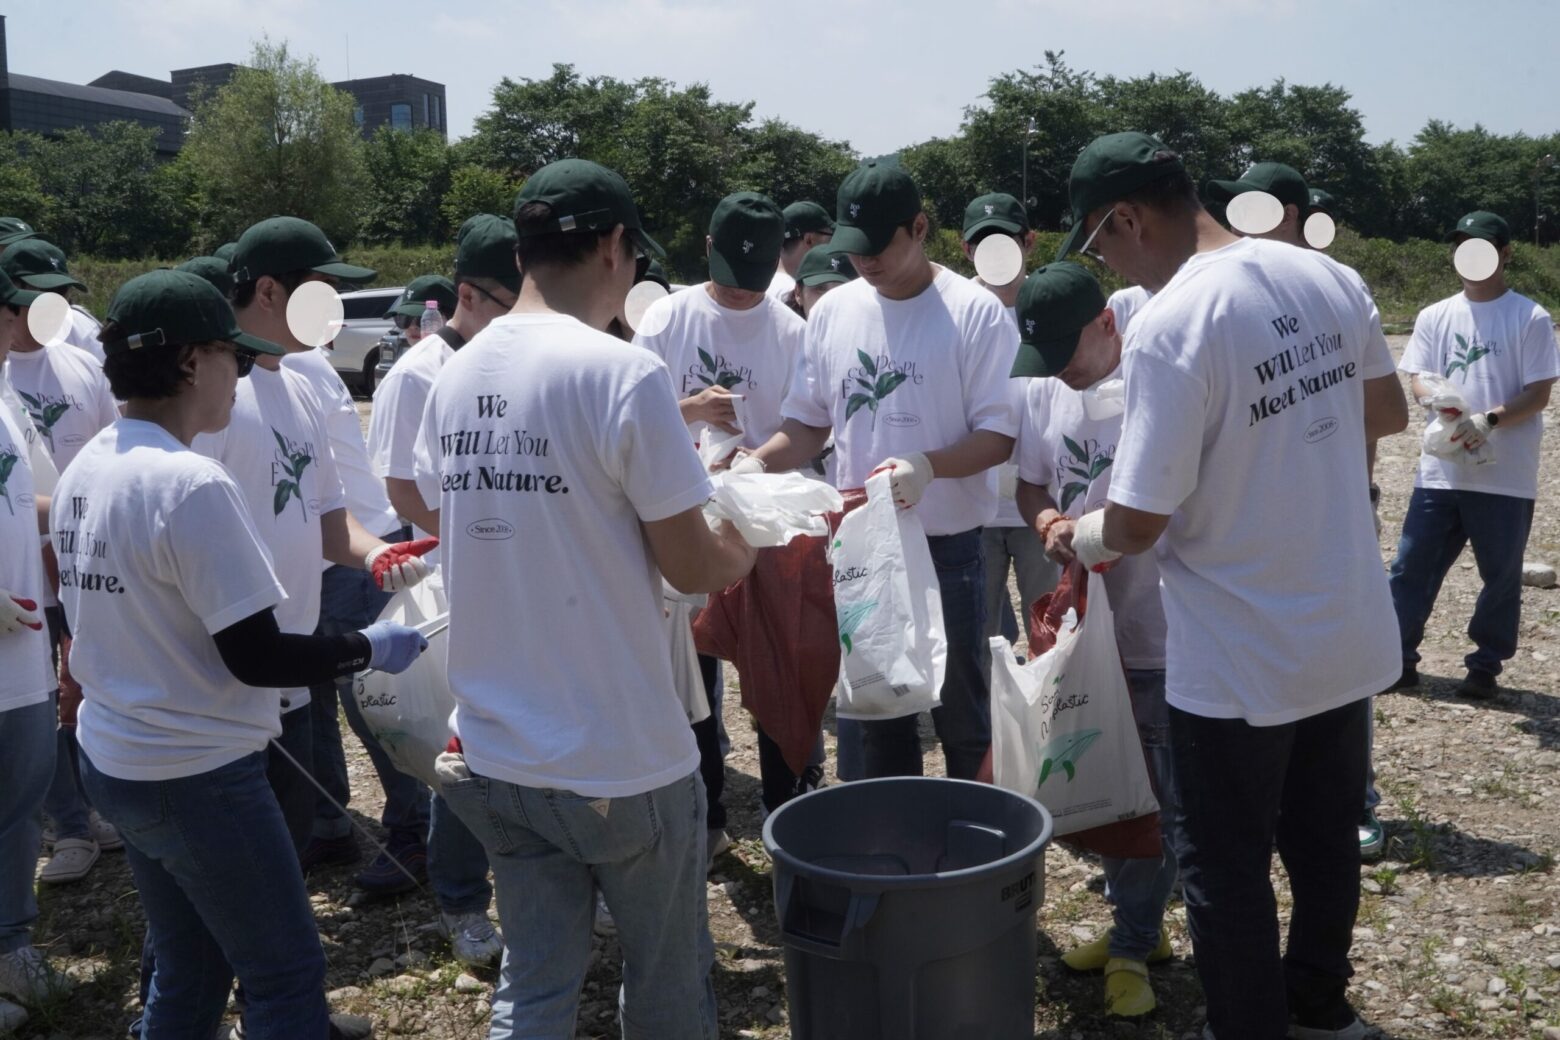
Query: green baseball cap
(997, 210)
(14, 229)
(162, 308)
(225, 251)
(485, 248)
(746, 233)
(282, 244)
(825, 264)
(13, 295)
(213, 269)
(1282, 182)
(414, 298)
(656, 273)
(1055, 304)
(802, 217)
(38, 265)
(1481, 223)
(873, 201)
(585, 196)
(1323, 201)
(1112, 167)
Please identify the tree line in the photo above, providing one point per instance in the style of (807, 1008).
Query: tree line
(279, 139)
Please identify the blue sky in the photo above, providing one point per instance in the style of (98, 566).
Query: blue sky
(878, 73)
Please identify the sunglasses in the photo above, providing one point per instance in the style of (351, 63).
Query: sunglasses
(246, 361)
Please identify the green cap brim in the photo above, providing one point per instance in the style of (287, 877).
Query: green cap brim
(1075, 237)
(1044, 360)
(1009, 226)
(258, 345)
(52, 281)
(346, 272)
(646, 243)
(857, 241)
(23, 297)
(413, 309)
(824, 278)
(750, 277)
(16, 236)
(1224, 191)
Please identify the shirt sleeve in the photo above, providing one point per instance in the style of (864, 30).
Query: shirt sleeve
(393, 441)
(105, 408)
(989, 400)
(427, 458)
(1035, 464)
(333, 494)
(807, 401)
(1540, 356)
(1420, 356)
(646, 449)
(1160, 451)
(223, 579)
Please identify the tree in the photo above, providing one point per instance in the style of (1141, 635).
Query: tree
(944, 171)
(534, 122)
(476, 189)
(277, 139)
(21, 192)
(1450, 172)
(790, 164)
(406, 170)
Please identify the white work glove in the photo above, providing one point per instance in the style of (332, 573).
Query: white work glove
(17, 613)
(399, 565)
(908, 477)
(748, 463)
(1472, 432)
(1088, 542)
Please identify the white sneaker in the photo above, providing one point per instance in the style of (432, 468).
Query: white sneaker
(104, 833)
(472, 937)
(71, 860)
(12, 1016)
(604, 924)
(25, 975)
(717, 842)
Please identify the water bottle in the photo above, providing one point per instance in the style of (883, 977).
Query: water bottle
(431, 321)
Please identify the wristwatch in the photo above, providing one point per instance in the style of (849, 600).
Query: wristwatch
(1493, 418)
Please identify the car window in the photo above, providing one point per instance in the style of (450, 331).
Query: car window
(357, 308)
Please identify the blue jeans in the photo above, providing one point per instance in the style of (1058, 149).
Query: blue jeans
(850, 750)
(64, 803)
(551, 851)
(1439, 522)
(1139, 888)
(27, 748)
(219, 880)
(1242, 789)
(963, 719)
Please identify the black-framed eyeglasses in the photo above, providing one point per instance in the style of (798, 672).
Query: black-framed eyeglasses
(403, 321)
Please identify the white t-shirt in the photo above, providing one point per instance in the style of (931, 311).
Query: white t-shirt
(1070, 455)
(397, 415)
(546, 443)
(26, 671)
(1244, 424)
(66, 394)
(366, 498)
(899, 376)
(1489, 351)
(753, 352)
(780, 284)
(157, 554)
(277, 448)
(44, 474)
(83, 332)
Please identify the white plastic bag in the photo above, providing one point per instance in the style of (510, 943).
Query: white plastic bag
(716, 444)
(680, 608)
(1062, 729)
(772, 508)
(409, 713)
(1447, 408)
(1105, 399)
(889, 608)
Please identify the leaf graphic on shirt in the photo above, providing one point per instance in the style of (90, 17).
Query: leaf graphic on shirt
(7, 464)
(1465, 356)
(853, 405)
(44, 416)
(1085, 461)
(888, 382)
(867, 364)
(723, 378)
(293, 463)
(1070, 493)
(1064, 752)
(874, 389)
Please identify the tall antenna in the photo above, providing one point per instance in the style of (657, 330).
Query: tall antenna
(349, 55)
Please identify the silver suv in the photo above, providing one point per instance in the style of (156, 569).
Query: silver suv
(355, 353)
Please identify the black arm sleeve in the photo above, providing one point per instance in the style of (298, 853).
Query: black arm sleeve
(259, 654)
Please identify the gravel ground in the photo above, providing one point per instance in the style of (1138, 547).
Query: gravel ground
(1458, 933)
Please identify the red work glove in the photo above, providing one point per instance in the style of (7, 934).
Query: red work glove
(400, 565)
(17, 613)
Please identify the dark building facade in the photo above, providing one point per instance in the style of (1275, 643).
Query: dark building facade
(399, 101)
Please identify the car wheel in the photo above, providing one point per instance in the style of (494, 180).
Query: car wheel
(370, 369)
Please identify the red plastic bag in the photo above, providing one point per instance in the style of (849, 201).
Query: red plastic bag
(777, 628)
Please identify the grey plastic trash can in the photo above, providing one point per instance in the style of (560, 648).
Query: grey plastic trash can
(907, 909)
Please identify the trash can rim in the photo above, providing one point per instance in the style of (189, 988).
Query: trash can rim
(880, 882)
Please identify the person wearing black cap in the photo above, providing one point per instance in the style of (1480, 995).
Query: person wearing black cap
(727, 341)
(407, 311)
(908, 366)
(172, 597)
(807, 225)
(28, 715)
(35, 264)
(824, 268)
(1070, 343)
(1253, 382)
(576, 767)
(1497, 347)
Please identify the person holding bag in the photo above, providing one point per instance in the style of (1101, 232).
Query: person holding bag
(1070, 343)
